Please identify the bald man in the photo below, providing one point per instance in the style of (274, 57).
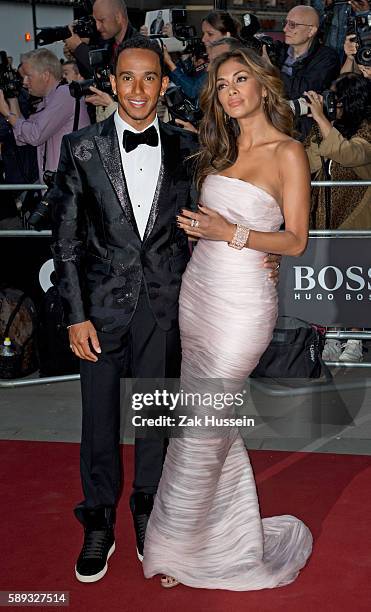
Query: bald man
(113, 27)
(307, 65)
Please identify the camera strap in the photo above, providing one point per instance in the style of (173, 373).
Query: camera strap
(327, 176)
(77, 115)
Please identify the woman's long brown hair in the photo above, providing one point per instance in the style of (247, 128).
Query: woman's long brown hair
(218, 133)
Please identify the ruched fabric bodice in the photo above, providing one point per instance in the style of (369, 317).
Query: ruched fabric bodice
(229, 289)
(244, 203)
(205, 528)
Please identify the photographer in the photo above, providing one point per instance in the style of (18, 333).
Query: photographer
(70, 71)
(113, 26)
(346, 143)
(190, 84)
(337, 14)
(56, 112)
(217, 25)
(20, 163)
(342, 154)
(350, 64)
(306, 65)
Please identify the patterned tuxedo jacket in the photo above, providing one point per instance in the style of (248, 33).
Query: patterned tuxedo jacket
(100, 259)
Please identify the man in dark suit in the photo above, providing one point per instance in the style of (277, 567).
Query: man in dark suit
(119, 257)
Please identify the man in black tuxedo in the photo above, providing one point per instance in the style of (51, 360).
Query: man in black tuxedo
(119, 257)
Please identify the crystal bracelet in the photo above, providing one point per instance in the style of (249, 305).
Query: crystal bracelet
(240, 237)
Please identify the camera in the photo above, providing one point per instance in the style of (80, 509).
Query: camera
(10, 81)
(180, 107)
(39, 217)
(84, 27)
(100, 63)
(192, 43)
(300, 107)
(184, 39)
(251, 38)
(360, 26)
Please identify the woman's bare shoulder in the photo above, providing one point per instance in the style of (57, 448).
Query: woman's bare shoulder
(290, 151)
(288, 145)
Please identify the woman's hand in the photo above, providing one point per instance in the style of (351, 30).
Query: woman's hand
(350, 46)
(167, 59)
(316, 111)
(315, 104)
(206, 224)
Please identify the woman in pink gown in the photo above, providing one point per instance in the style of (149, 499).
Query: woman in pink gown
(205, 529)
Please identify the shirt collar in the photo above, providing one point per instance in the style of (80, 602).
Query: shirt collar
(50, 93)
(290, 53)
(122, 125)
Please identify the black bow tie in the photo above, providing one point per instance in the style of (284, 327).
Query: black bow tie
(131, 140)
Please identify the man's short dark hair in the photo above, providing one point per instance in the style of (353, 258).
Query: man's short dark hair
(140, 42)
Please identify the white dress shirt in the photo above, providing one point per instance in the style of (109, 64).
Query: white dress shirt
(141, 168)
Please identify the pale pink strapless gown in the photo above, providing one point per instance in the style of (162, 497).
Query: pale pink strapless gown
(205, 528)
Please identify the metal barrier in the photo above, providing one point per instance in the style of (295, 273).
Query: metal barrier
(343, 335)
(22, 187)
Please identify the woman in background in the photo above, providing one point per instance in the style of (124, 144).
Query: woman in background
(345, 148)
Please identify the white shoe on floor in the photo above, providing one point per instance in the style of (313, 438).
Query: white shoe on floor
(352, 351)
(332, 350)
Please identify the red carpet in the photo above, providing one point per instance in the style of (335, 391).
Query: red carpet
(40, 538)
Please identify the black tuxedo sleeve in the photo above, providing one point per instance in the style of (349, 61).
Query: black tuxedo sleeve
(68, 230)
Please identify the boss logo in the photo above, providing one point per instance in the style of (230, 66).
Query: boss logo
(331, 278)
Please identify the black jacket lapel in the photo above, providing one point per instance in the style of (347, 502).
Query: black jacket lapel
(109, 152)
(169, 161)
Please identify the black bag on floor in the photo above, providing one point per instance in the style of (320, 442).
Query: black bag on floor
(56, 357)
(18, 321)
(294, 352)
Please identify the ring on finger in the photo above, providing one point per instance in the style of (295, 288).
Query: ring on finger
(193, 223)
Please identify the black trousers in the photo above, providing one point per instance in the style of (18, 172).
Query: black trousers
(143, 350)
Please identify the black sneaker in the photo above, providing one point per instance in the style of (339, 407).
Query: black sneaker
(99, 545)
(141, 505)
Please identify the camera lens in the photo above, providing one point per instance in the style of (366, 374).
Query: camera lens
(363, 56)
